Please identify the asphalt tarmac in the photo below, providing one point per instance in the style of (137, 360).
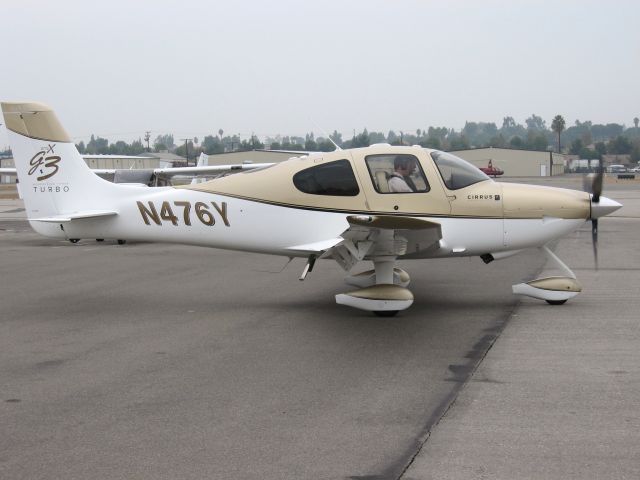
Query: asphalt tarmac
(154, 361)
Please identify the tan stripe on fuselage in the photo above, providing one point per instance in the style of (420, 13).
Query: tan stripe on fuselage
(486, 199)
(275, 185)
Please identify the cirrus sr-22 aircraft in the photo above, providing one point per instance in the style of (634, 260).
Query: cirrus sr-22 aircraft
(343, 205)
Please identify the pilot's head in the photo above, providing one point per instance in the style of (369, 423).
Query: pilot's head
(404, 164)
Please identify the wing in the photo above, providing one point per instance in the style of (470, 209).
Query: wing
(208, 170)
(374, 236)
(169, 171)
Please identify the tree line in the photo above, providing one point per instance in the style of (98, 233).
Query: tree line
(585, 139)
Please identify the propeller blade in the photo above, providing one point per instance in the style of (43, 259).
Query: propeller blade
(596, 186)
(594, 239)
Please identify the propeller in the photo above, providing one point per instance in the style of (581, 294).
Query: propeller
(600, 206)
(594, 239)
(595, 188)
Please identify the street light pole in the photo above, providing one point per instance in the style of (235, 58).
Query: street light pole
(186, 149)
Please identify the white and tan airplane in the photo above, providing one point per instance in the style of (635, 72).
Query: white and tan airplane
(379, 204)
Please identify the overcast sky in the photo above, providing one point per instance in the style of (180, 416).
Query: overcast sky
(117, 68)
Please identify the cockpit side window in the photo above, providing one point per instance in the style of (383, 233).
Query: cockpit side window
(333, 178)
(456, 172)
(396, 174)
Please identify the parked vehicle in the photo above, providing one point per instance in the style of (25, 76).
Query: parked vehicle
(491, 170)
(616, 169)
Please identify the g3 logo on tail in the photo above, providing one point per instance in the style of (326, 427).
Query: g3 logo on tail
(41, 159)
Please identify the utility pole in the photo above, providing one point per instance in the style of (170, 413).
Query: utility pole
(186, 149)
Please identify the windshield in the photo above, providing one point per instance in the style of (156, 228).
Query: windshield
(456, 172)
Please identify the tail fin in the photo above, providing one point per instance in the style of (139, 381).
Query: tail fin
(203, 160)
(54, 178)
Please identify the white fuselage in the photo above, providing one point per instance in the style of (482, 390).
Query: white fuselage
(165, 214)
(57, 182)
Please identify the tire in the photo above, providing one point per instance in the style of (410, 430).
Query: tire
(556, 302)
(386, 313)
(74, 240)
(99, 239)
(121, 242)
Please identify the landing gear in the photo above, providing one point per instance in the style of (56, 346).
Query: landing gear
(121, 242)
(99, 239)
(554, 290)
(384, 298)
(368, 278)
(74, 240)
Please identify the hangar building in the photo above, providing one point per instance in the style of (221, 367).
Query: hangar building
(516, 163)
(253, 156)
(121, 161)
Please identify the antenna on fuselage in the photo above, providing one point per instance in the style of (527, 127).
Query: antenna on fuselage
(331, 140)
(328, 136)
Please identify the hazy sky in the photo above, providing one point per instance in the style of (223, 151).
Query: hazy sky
(117, 68)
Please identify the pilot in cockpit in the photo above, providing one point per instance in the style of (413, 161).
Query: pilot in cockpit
(400, 179)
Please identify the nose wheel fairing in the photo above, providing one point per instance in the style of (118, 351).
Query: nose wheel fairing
(551, 289)
(555, 289)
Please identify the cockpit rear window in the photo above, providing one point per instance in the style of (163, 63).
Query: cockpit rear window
(456, 172)
(333, 178)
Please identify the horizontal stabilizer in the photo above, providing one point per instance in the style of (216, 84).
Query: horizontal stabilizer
(76, 216)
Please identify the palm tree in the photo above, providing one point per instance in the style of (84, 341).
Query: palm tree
(557, 126)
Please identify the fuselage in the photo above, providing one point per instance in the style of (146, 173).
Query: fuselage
(308, 199)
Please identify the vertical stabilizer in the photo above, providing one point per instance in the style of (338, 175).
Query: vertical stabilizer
(54, 178)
